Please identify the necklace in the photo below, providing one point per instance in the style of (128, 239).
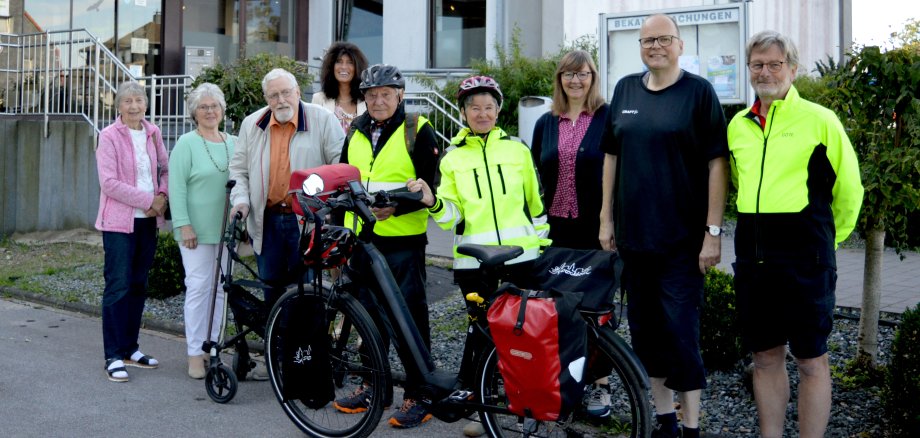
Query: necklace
(208, 150)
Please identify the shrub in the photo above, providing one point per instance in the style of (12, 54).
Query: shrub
(902, 377)
(241, 82)
(167, 276)
(720, 333)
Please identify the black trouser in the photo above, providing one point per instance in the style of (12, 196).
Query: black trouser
(408, 268)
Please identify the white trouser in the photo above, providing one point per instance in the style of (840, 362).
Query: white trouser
(199, 266)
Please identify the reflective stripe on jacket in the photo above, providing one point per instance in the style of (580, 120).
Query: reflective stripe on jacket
(798, 181)
(490, 195)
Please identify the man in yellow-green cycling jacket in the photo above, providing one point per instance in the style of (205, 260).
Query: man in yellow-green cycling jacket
(799, 194)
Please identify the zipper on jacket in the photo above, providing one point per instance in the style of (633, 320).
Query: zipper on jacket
(758, 255)
(476, 180)
(485, 159)
(501, 177)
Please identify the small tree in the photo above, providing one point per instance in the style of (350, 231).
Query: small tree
(875, 95)
(241, 81)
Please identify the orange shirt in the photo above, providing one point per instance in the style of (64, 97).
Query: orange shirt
(279, 172)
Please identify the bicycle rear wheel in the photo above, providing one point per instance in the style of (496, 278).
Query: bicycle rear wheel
(357, 358)
(629, 415)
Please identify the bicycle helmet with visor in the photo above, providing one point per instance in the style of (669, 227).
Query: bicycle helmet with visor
(381, 75)
(479, 84)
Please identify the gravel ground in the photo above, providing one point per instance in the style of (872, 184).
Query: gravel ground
(728, 409)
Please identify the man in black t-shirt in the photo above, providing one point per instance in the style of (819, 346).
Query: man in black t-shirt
(665, 177)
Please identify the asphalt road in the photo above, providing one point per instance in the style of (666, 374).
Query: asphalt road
(52, 384)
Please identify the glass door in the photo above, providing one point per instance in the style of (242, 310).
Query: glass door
(138, 42)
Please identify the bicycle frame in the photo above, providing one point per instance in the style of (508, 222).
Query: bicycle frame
(443, 396)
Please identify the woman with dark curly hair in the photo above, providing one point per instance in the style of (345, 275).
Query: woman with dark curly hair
(339, 80)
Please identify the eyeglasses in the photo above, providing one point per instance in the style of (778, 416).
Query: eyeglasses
(209, 108)
(284, 94)
(582, 75)
(663, 41)
(773, 67)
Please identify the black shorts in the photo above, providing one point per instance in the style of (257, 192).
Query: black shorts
(664, 295)
(780, 303)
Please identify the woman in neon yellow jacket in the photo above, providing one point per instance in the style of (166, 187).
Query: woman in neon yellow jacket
(489, 192)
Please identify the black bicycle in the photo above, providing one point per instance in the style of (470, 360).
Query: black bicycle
(357, 349)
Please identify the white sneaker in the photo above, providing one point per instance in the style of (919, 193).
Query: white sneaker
(597, 401)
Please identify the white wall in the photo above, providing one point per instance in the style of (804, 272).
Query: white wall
(320, 32)
(405, 33)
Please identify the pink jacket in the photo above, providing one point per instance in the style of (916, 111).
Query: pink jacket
(118, 194)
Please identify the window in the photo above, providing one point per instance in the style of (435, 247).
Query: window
(458, 32)
(361, 22)
(269, 27)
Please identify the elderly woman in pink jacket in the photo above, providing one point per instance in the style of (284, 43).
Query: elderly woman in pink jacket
(132, 165)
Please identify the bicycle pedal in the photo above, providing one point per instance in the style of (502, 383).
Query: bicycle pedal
(460, 395)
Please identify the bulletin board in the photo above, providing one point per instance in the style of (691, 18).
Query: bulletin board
(713, 36)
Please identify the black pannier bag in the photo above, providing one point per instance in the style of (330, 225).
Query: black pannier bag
(306, 371)
(541, 340)
(594, 273)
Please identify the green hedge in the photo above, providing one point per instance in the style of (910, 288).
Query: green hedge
(901, 395)
(241, 82)
(720, 333)
(167, 276)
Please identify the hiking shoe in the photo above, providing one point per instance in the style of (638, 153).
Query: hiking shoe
(597, 401)
(357, 402)
(411, 414)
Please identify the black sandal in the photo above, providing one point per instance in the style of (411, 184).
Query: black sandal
(117, 373)
(144, 362)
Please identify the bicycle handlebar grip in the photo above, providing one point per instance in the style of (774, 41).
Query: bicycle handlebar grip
(365, 212)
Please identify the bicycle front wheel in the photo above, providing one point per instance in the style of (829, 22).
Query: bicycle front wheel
(610, 358)
(358, 361)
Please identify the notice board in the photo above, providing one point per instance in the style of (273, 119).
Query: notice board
(713, 36)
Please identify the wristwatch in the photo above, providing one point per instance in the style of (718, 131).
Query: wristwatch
(713, 230)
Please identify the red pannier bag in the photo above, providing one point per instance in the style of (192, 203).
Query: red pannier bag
(541, 341)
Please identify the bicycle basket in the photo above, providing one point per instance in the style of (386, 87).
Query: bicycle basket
(332, 176)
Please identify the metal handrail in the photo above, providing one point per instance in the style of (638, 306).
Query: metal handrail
(72, 73)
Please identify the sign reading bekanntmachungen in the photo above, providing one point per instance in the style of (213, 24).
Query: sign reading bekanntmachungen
(682, 18)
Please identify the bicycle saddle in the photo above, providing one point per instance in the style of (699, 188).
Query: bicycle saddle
(490, 255)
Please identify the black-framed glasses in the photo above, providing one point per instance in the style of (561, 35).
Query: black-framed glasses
(773, 67)
(582, 75)
(663, 41)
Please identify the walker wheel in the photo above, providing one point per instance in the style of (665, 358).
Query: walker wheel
(221, 383)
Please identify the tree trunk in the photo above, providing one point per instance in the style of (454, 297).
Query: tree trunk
(872, 296)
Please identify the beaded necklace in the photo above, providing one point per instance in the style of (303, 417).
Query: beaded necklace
(208, 150)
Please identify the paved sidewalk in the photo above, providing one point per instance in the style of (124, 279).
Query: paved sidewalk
(53, 385)
(900, 278)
